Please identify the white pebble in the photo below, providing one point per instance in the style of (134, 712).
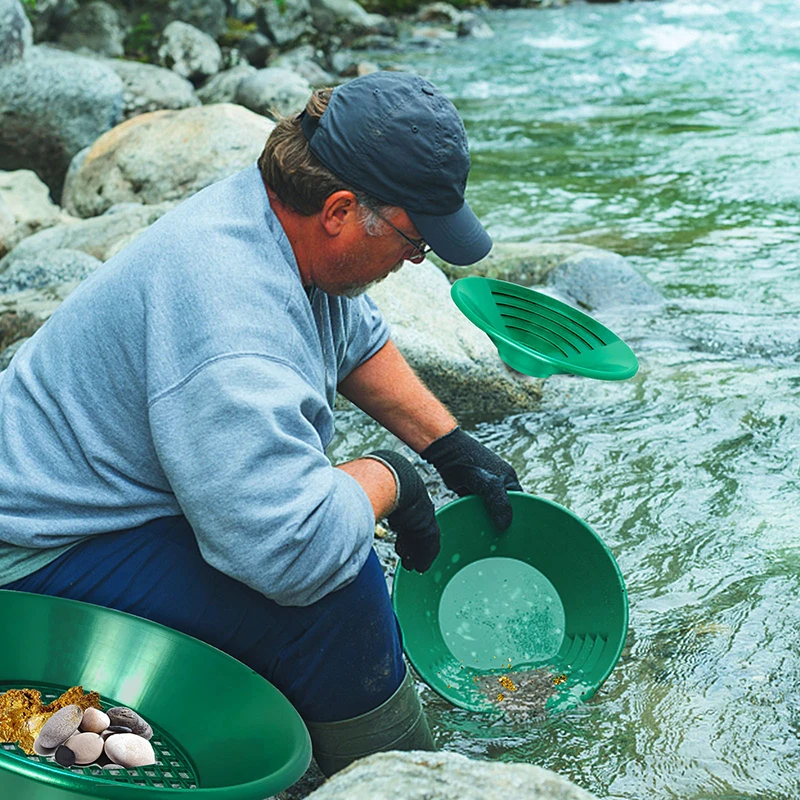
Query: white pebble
(130, 750)
(94, 720)
(87, 747)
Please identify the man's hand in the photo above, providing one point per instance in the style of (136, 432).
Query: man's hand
(413, 518)
(467, 467)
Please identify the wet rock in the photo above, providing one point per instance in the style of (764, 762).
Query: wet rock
(129, 750)
(16, 33)
(146, 160)
(87, 747)
(52, 104)
(128, 718)
(189, 52)
(399, 776)
(60, 727)
(458, 361)
(273, 91)
(472, 25)
(65, 756)
(94, 720)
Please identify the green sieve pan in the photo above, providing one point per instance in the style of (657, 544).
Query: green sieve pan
(545, 595)
(220, 729)
(539, 335)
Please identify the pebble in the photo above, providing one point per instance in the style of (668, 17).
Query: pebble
(130, 719)
(129, 750)
(87, 747)
(65, 756)
(94, 720)
(59, 727)
(119, 729)
(43, 751)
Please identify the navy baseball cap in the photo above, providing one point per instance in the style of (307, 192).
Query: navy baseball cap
(396, 137)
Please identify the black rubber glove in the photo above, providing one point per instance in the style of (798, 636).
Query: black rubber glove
(467, 467)
(413, 518)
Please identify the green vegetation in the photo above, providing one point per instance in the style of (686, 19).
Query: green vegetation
(235, 31)
(140, 41)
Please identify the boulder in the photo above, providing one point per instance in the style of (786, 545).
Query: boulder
(439, 14)
(96, 27)
(472, 25)
(256, 49)
(189, 52)
(453, 357)
(53, 104)
(165, 155)
(302, 61)
(345, 17)
(272, 91)
(47, 268)
(286, 23)
(100, 237)
(151, 88)
(50, 17)
(25, 208)
(16, 32)
(445, 776)
(222, 87)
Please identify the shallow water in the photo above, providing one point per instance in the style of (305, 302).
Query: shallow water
(668, 132)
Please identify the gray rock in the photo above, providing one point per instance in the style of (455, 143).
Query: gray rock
(97, 27)
(119, 715)
(129, 750)
(601, 280)
(16, 32)
(205, 15)
(189, 52)
(5, 360)
(445, 776)
(348, 19)
(49, 17)
(60, 726)
(100, 237)
(457, 360)
(87, 747)
(286, 23)
(53, 104)
(274, 90)
(65, 756)
(151, 88)
(302, 61)
(222, 87)
(146, 159)
(439, 14)
(47, 268)
(25, 208)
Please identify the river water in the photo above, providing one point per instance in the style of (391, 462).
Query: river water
(668, 132)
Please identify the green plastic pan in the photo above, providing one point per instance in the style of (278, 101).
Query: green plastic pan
(546, 594)
(539, 335)
(220, 729)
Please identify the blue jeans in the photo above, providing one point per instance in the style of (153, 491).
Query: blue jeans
(335, 659)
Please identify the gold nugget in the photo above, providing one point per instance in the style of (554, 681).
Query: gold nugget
(507, 683)
(559, 679)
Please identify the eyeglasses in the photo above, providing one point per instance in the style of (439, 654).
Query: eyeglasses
(418, 244)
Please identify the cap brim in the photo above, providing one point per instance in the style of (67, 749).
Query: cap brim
(457, 238)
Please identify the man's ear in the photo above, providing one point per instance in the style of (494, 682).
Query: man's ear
(338, 212)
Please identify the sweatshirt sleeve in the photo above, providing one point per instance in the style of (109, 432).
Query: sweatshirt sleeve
(367, 332)
(238, 443)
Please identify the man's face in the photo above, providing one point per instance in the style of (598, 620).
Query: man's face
(368, 259)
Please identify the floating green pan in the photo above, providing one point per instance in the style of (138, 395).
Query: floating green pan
(221, 731)
(539, 335)
(545, 594)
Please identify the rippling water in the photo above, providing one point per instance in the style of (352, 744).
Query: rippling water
(668, 132)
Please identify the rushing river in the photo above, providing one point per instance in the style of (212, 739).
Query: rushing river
(668, 132)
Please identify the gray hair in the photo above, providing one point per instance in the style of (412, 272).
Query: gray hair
(370, 212)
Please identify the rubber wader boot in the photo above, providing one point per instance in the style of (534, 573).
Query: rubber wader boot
(397, 724)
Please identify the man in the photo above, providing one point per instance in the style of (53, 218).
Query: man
(162, 437)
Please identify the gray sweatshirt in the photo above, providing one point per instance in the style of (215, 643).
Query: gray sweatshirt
(192, 374)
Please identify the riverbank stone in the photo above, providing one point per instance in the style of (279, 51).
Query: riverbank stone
(53, 103)
(445, 776)
(96, 27)
(129, 750)
(146, 159)
(87, 747)
(194, 55)
(94, 720)
(273, 91)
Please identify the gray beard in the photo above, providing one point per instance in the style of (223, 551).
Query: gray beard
(354, 290)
